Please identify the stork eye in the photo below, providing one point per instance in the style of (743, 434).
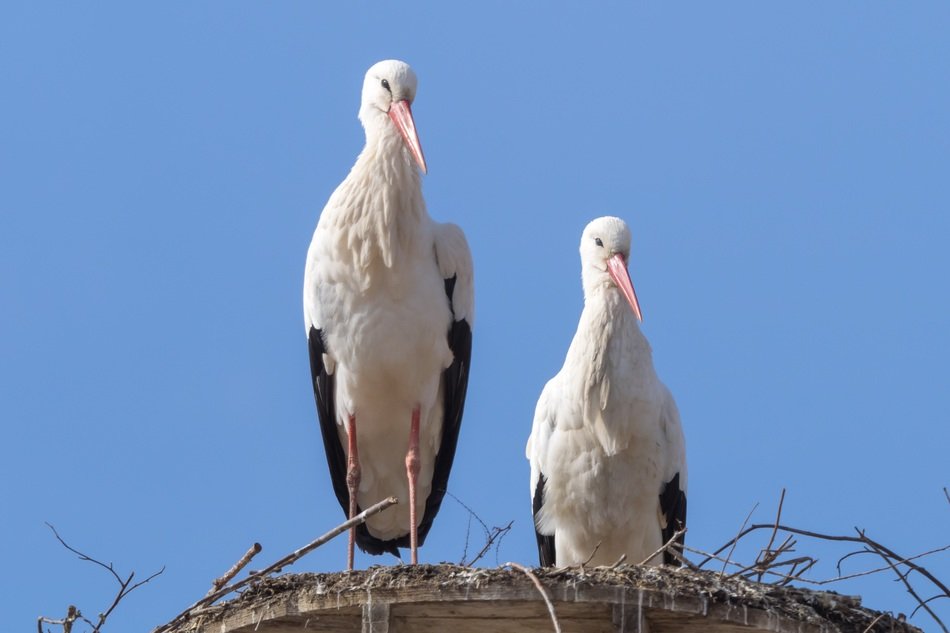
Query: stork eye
(598, 242)
(385, 83)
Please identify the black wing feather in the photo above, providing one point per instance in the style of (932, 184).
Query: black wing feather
(454, 388)
(546, 552)
(323, 392)
(673, 507)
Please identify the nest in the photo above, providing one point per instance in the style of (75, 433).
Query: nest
(690, 600)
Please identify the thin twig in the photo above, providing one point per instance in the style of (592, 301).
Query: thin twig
(253, 551)
(81, 555)
(591, 557)
(492, 535)
(683, 560)
(873, 622)
(903, 577)
(830, 537)
(497, 534)
(283, 562)
(544, 594)
(734, 541)
(619, 561)
(666, 546)
(125, 588)
(930, 599)
(778, 519)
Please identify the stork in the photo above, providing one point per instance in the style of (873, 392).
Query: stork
(388, 307)
(607, 453)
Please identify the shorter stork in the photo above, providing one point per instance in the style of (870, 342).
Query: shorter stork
(607, 453)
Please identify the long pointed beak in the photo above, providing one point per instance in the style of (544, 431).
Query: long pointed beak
(617, 268)
(401, 115)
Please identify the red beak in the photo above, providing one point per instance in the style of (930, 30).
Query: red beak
(617, 268)
(401, 115)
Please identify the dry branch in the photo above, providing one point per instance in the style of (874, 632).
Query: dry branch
(666, 546)
(125, 588)
(289, 559)
(216, 585)
(494, 538)
(735, 541)
(768, 563)
(544, 594)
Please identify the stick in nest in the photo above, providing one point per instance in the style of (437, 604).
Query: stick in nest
(544, 594)
(280, 564)
(666, 546)
(238, 566)
(734, 542)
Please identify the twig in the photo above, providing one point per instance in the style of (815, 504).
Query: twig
(830, 537)
(666, 546)
(591, 557)
(873, 622)
(683, 560)
(930, 599)
(767, 556)
(618, 562)
(280, 564)
(544, 594)
(253, 551)
(125, 588)
(496, 534)
(734, 541)
(903, 578)
(491, 535)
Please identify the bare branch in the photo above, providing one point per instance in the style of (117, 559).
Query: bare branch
(666, 546)
(289, 559)
(591, 557)
(734, 541)
(493, 536)
(125, 588)
(237, 567)
(544, 594)
(930, 599)
(903, 578)
(873, 622)
(81, 555)
(497, 533)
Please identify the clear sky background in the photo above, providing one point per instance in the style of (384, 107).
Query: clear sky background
(783, 168)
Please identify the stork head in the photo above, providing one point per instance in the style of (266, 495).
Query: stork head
(388, 91)
(605, 248)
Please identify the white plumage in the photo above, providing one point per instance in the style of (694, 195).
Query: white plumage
(607, 453)
(388, 307)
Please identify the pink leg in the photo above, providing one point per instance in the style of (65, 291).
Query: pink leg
(352, 483)
(412, 472)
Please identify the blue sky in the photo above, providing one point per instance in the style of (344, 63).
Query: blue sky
(783, 168)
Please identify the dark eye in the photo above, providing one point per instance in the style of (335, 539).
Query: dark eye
(598, 242)
(385, 83)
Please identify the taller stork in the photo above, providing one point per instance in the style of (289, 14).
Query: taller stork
(608, 458)
(388, 307)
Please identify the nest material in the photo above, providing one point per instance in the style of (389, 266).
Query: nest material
(818, 610)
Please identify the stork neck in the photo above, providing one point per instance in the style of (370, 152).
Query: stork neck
(607, 314)
(380, 207)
